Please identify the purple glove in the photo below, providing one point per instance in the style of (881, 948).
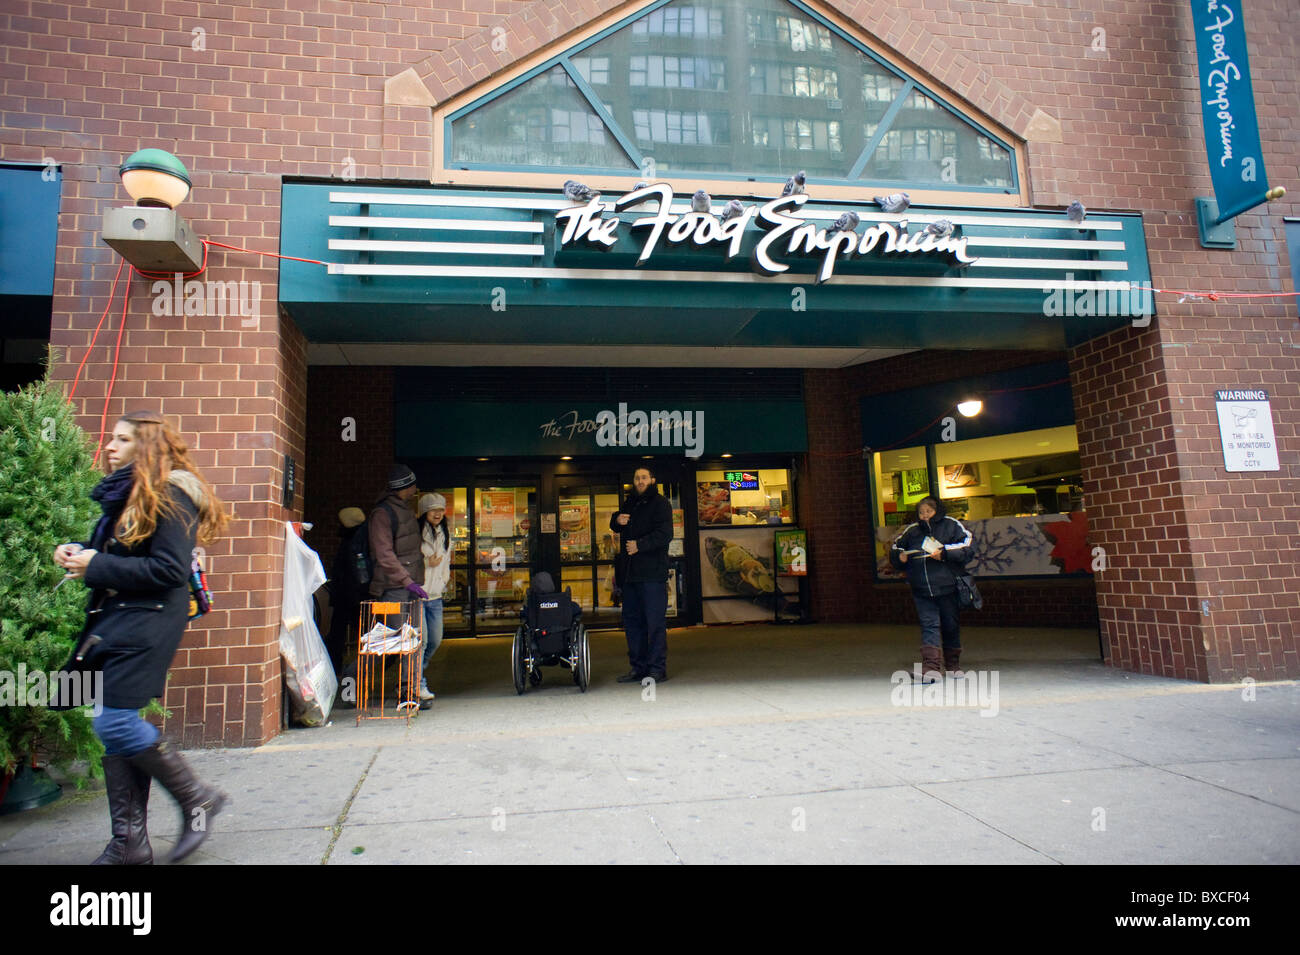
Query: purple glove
(417, 590)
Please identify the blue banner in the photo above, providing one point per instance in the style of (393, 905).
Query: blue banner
(1228, 107)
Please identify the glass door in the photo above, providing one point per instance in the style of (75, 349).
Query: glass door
(504, 544)
(456, 598)
(588, 546)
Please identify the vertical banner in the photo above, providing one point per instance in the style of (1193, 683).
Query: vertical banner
(1228, 107)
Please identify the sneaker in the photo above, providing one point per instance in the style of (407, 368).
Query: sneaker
(631, 676)
(425, 693)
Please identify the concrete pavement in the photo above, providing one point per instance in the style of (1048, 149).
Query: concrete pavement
(767, 744)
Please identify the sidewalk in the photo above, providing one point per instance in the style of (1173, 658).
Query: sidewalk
(767, 744)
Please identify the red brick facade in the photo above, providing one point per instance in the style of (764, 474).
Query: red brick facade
(1203, 580)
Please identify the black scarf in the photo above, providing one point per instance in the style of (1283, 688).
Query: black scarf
(111, 493)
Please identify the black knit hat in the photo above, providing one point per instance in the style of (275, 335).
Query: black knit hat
(399, 477)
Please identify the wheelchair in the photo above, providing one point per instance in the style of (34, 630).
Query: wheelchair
(550, 633)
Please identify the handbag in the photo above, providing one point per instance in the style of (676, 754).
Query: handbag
(200, 595)
(968, 595)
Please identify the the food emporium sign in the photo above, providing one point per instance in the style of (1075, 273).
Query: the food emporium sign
(785, 234)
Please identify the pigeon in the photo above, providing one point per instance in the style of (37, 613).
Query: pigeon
(1076, 212)
(700, 202)
(848, 222)
(578, 192)
(898, 202)
(940, 227)
(795, 184)
(733, 209)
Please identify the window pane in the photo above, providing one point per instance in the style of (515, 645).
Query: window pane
(801, 97)
(544, 122)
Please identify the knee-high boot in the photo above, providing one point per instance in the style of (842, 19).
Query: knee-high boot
(128, 805)
(198, 801)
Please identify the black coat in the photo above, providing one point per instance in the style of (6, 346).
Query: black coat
(930, 577)
(139, 607)
(650, 524)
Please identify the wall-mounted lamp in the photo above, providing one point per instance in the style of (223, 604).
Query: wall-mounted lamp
(970, 407)
(150, 235)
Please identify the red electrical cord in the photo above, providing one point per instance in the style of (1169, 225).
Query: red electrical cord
(103, 418)
(111, 296)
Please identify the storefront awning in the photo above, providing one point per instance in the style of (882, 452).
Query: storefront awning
(500, 268)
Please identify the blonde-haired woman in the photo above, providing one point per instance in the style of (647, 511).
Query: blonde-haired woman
(137, 565)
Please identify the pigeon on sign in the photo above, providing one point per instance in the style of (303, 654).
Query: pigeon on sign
(848, 222)
(578, 192)
(700, 202)
(795, 184)
(940, 227)
(897, 202)
(732, 209)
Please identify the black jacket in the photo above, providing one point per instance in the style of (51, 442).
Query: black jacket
(139, 606)
(930, 577)
(650, 524)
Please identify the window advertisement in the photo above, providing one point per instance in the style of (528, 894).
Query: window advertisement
(1018, 494)
(736, 574)
(505, 538)
(738, 496)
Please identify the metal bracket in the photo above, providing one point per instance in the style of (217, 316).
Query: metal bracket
(1221, 236)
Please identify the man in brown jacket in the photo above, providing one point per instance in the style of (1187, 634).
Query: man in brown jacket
(395, 553)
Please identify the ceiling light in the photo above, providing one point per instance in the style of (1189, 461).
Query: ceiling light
(970, 407)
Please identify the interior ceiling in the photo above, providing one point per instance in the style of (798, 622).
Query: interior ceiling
(622, 356)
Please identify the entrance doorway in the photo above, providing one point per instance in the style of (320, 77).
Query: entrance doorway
(584, 506)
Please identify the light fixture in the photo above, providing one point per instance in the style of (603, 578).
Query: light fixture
(970, 407)
(727, 455)
(150, 235)
(482, 459)
(155, 178)
(566, 457)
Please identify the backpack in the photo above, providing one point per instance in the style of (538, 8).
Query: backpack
(358, 546)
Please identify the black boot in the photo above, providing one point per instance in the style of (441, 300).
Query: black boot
(128, 804)
(198, 802)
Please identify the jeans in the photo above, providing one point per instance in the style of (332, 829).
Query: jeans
(123, 733)
(938, 615)
(645, 610)
(432, 633)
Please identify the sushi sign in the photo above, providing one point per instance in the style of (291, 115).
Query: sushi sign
(587, 223)
(742, 480)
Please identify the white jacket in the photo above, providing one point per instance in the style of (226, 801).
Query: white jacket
(433, 545)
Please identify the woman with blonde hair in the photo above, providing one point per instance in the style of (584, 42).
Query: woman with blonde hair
(137, 566)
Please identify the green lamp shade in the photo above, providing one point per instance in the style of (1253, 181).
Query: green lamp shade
(154, 177)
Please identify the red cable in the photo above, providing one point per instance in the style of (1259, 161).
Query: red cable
(275, 255)
(103, 418)
(77, 377)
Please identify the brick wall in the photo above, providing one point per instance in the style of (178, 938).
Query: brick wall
(270, 93)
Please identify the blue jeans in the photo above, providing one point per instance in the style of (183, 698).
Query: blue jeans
(432, 632)
(938, 620)
(123, 733)
(645, 610)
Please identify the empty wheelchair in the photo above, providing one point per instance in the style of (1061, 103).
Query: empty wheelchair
(550, 633)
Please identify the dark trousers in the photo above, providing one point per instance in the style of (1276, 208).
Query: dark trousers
(645, 610)
(938, 616)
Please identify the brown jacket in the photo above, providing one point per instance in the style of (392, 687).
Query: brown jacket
(396, 556)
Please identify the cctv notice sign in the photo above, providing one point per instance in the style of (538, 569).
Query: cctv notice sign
(1246, 427)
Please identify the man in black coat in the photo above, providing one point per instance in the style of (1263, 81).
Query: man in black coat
(932, 552)
(645, 525)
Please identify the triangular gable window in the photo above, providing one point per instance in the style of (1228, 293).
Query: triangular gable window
(729, 90)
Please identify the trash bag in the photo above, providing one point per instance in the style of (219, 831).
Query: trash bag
(308, 673)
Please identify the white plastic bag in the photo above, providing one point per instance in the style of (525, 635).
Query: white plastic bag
(308, 673)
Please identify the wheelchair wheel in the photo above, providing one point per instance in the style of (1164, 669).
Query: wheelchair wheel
(519, 662)
(582, 672)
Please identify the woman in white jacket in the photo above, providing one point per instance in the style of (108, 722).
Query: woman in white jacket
(435, 545)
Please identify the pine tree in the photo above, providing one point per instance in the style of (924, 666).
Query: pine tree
(46, 475)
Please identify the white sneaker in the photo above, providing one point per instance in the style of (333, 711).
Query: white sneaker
(426, 693)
